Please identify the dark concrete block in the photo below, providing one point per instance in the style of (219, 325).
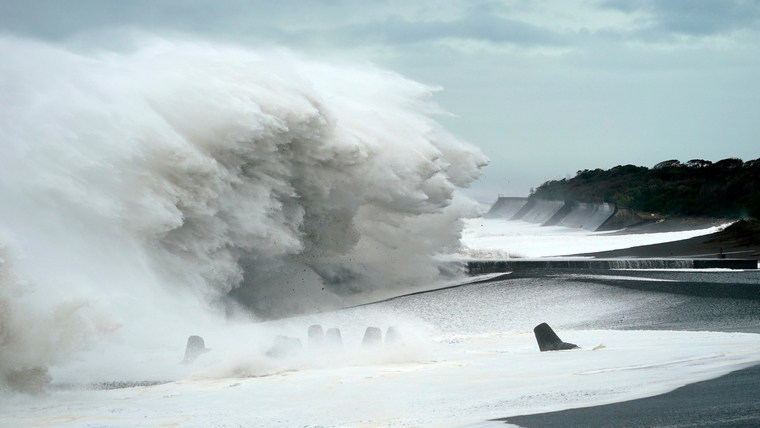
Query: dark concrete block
(316, 336)
(195, 348)
(548, 340)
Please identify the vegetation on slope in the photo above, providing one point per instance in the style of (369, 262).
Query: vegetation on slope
(743, 232)
(729, 188)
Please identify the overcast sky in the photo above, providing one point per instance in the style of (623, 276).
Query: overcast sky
(544, 88)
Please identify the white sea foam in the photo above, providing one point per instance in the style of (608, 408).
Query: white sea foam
(485, 238)
(475, 378)
(464, 361)
(138, 188)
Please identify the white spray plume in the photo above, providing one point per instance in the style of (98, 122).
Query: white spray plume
(182, 174)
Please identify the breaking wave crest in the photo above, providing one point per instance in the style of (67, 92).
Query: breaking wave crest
(181, 176)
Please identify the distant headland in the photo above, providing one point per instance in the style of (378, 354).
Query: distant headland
(667, 197)
(729, 188)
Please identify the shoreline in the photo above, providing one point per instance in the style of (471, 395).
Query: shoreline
(729, 400)
(705, 246)
(726, 401)
(569, 301)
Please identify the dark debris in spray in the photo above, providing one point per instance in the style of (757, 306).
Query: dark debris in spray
(109, 385)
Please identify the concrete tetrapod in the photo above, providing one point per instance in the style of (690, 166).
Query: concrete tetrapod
(333, 339)
(393, 338)
(316, 337)
(195, 348)
(373, 337)
(548, 340)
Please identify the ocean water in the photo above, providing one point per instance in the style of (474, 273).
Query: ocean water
(178, 188)
(469, 355)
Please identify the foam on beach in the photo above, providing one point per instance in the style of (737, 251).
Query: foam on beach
(469, 355)
(485, 238)
(458, 380)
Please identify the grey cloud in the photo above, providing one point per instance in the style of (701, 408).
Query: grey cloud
(695, 17)
(300, 22)
(478, 24)
(51, 19)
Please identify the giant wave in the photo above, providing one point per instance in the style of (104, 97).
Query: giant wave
(153, 189)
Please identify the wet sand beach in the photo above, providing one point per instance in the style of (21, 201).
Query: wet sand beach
(718, 301)
(731, 245)
(728, 401)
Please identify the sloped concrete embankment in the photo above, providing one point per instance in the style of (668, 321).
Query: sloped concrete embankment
(506, 207)
(586, 215)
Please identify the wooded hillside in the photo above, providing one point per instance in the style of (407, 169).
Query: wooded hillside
(729, 188)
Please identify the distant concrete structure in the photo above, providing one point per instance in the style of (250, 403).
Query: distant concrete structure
(333, 339)
(373, 337)
(542, 211)
(196, 347)
(590, 216)
(621, 219)
(506, 207)
(393, 338)
(479, 267)
(316, 336)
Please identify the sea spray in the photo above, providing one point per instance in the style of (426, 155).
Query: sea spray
(145, 190)
(35, 334)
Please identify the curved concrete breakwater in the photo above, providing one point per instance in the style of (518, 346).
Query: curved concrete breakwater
(542, 211)
(590, 216)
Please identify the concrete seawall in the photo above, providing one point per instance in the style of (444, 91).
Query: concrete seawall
(477, 267)
(506, 208)
(622, 218)
(590, 216)
(539, 211)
